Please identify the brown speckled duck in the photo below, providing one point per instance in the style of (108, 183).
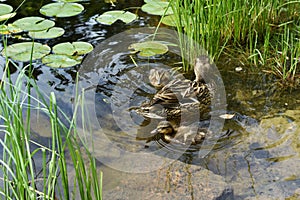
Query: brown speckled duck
(181, 95)
(182, 135)
(179, 89)
(159, 77)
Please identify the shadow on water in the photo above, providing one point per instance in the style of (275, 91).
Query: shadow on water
(258, 151)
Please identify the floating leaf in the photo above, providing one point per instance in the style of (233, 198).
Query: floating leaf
(14, 29)
(151, 48)
(75, 48)
(61, 9)
(5, 12)
(22, 51)
(61, 61)
(10, 28)
(7, 16)
(34, 23)
(47, 34)
(111, 17)
(82, 47)
(5, 9)
(4, 29)
(157, 7)
(169, 20)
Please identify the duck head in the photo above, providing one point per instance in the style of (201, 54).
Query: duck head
(164, 128)
(159, 77)
(201, 67)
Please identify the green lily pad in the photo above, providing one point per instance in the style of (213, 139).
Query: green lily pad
(157, 7)
(4, 29)
(147, 49)
(47, 34)
(61, 9)
(5, 9)
(5, 12)
(8, 29)
(22, 51)
(34, 23)
(7, 16)
(75, 48)
(169, 20)
(61, 61)
(111, 17)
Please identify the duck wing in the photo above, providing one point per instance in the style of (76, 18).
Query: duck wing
(199, 91)
(172, 93)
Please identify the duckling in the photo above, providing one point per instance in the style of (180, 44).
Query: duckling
(159, 77)
(183, 135)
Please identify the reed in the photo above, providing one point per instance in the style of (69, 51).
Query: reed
(255, 27)
(286, 57)
(21, 176)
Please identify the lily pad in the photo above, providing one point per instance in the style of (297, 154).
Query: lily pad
(34, 23)
(8, 29)
(7, 16)
(61, 61)
(47, 34)
(75, 48)
(23, 51)
(157, 7)
(5, 9)
(111, 17)
(4, 29)
(169, 20)
(61, 9)
(150, 48)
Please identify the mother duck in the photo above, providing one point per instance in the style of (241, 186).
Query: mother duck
(181, 95)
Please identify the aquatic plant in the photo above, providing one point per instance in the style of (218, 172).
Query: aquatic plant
(23, 177)
(259, 30)
(34, 27)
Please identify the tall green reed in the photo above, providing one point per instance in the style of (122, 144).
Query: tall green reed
(286, 54)
(251, 26)
(21, 178)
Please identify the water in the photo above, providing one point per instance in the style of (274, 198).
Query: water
(260, 157)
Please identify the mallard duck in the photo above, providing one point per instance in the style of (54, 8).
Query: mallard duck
(159, 77)
(190, 110)
(182, 135)
(181, 96)
(184, 90)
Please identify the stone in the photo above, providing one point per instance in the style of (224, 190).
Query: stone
(177, 181)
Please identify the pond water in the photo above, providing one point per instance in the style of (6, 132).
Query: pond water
(259, 159)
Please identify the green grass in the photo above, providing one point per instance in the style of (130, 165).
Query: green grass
(22, 178)
(266, 32)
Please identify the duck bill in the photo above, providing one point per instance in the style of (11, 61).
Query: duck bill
(154, 132)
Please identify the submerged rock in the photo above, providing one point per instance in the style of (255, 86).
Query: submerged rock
(176, 181)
